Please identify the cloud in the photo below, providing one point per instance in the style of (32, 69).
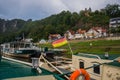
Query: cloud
(41, 7)
(30, 8)
(78, 5)
(37, 9)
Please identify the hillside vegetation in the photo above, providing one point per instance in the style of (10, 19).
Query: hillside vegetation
(57, 23)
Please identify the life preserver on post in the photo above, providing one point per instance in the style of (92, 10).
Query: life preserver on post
(79, 72)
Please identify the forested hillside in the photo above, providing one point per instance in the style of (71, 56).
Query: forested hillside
(57, 23)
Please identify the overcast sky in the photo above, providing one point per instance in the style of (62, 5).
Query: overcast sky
(38, 9)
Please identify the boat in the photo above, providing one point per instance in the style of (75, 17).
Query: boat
(20, 49)
(27, 50)
(12, 69)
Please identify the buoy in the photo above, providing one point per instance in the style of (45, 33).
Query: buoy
(79, 72)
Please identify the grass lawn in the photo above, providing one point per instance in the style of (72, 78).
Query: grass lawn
(97, 46)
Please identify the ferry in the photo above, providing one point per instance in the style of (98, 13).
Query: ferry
(20, 49)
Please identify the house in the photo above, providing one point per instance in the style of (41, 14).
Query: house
(70, 34)
(80, 34)
(92, 33)
(54, 37)
(96, 32)
(95, 62)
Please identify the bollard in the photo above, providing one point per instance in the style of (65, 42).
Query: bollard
(35, 63)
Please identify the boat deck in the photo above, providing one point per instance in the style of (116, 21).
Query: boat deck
(46, 77)
(10, 70)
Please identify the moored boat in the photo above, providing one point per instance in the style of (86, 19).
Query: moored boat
(20, 49)
(12, 69)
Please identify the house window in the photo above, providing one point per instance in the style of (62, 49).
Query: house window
(81, 64)
(96, 68)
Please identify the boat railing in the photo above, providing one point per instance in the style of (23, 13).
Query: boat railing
(42, 57)
(90, 55)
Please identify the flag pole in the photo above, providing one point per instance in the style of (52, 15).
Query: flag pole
(70, 47)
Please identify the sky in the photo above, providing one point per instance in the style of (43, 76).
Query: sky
(39, 9)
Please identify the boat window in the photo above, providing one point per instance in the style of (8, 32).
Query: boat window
(21, 45)
(81, 64)
(27, 45)
(96, 68)
(19, 51)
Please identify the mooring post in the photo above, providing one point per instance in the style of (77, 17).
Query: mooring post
(35, 64)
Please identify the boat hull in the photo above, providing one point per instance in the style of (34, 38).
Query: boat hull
(23, 57)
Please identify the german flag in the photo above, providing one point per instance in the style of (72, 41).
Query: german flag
(59, 42)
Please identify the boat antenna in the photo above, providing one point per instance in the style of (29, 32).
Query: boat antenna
(23, 37)
(0, 53)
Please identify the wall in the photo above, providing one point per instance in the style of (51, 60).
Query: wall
(111, 72)
(113, 38)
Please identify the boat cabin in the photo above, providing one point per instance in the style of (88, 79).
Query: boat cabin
(92, 63)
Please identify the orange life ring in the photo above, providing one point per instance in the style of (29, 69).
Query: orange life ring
(78, 72)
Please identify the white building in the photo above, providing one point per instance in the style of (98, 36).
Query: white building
(79, 36)
(96, 32)
(70, 35)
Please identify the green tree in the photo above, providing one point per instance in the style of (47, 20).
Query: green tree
(113, 10)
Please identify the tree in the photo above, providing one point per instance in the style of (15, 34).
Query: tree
(113, 10)
(74, 19)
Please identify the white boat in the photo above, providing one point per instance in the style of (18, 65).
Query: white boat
(20, 49)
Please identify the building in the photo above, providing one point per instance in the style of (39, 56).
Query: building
(114, 22)
(96, 32)
(83, 60)
(70, 34)
(80, 34)
(54, 37)
(114, 25)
